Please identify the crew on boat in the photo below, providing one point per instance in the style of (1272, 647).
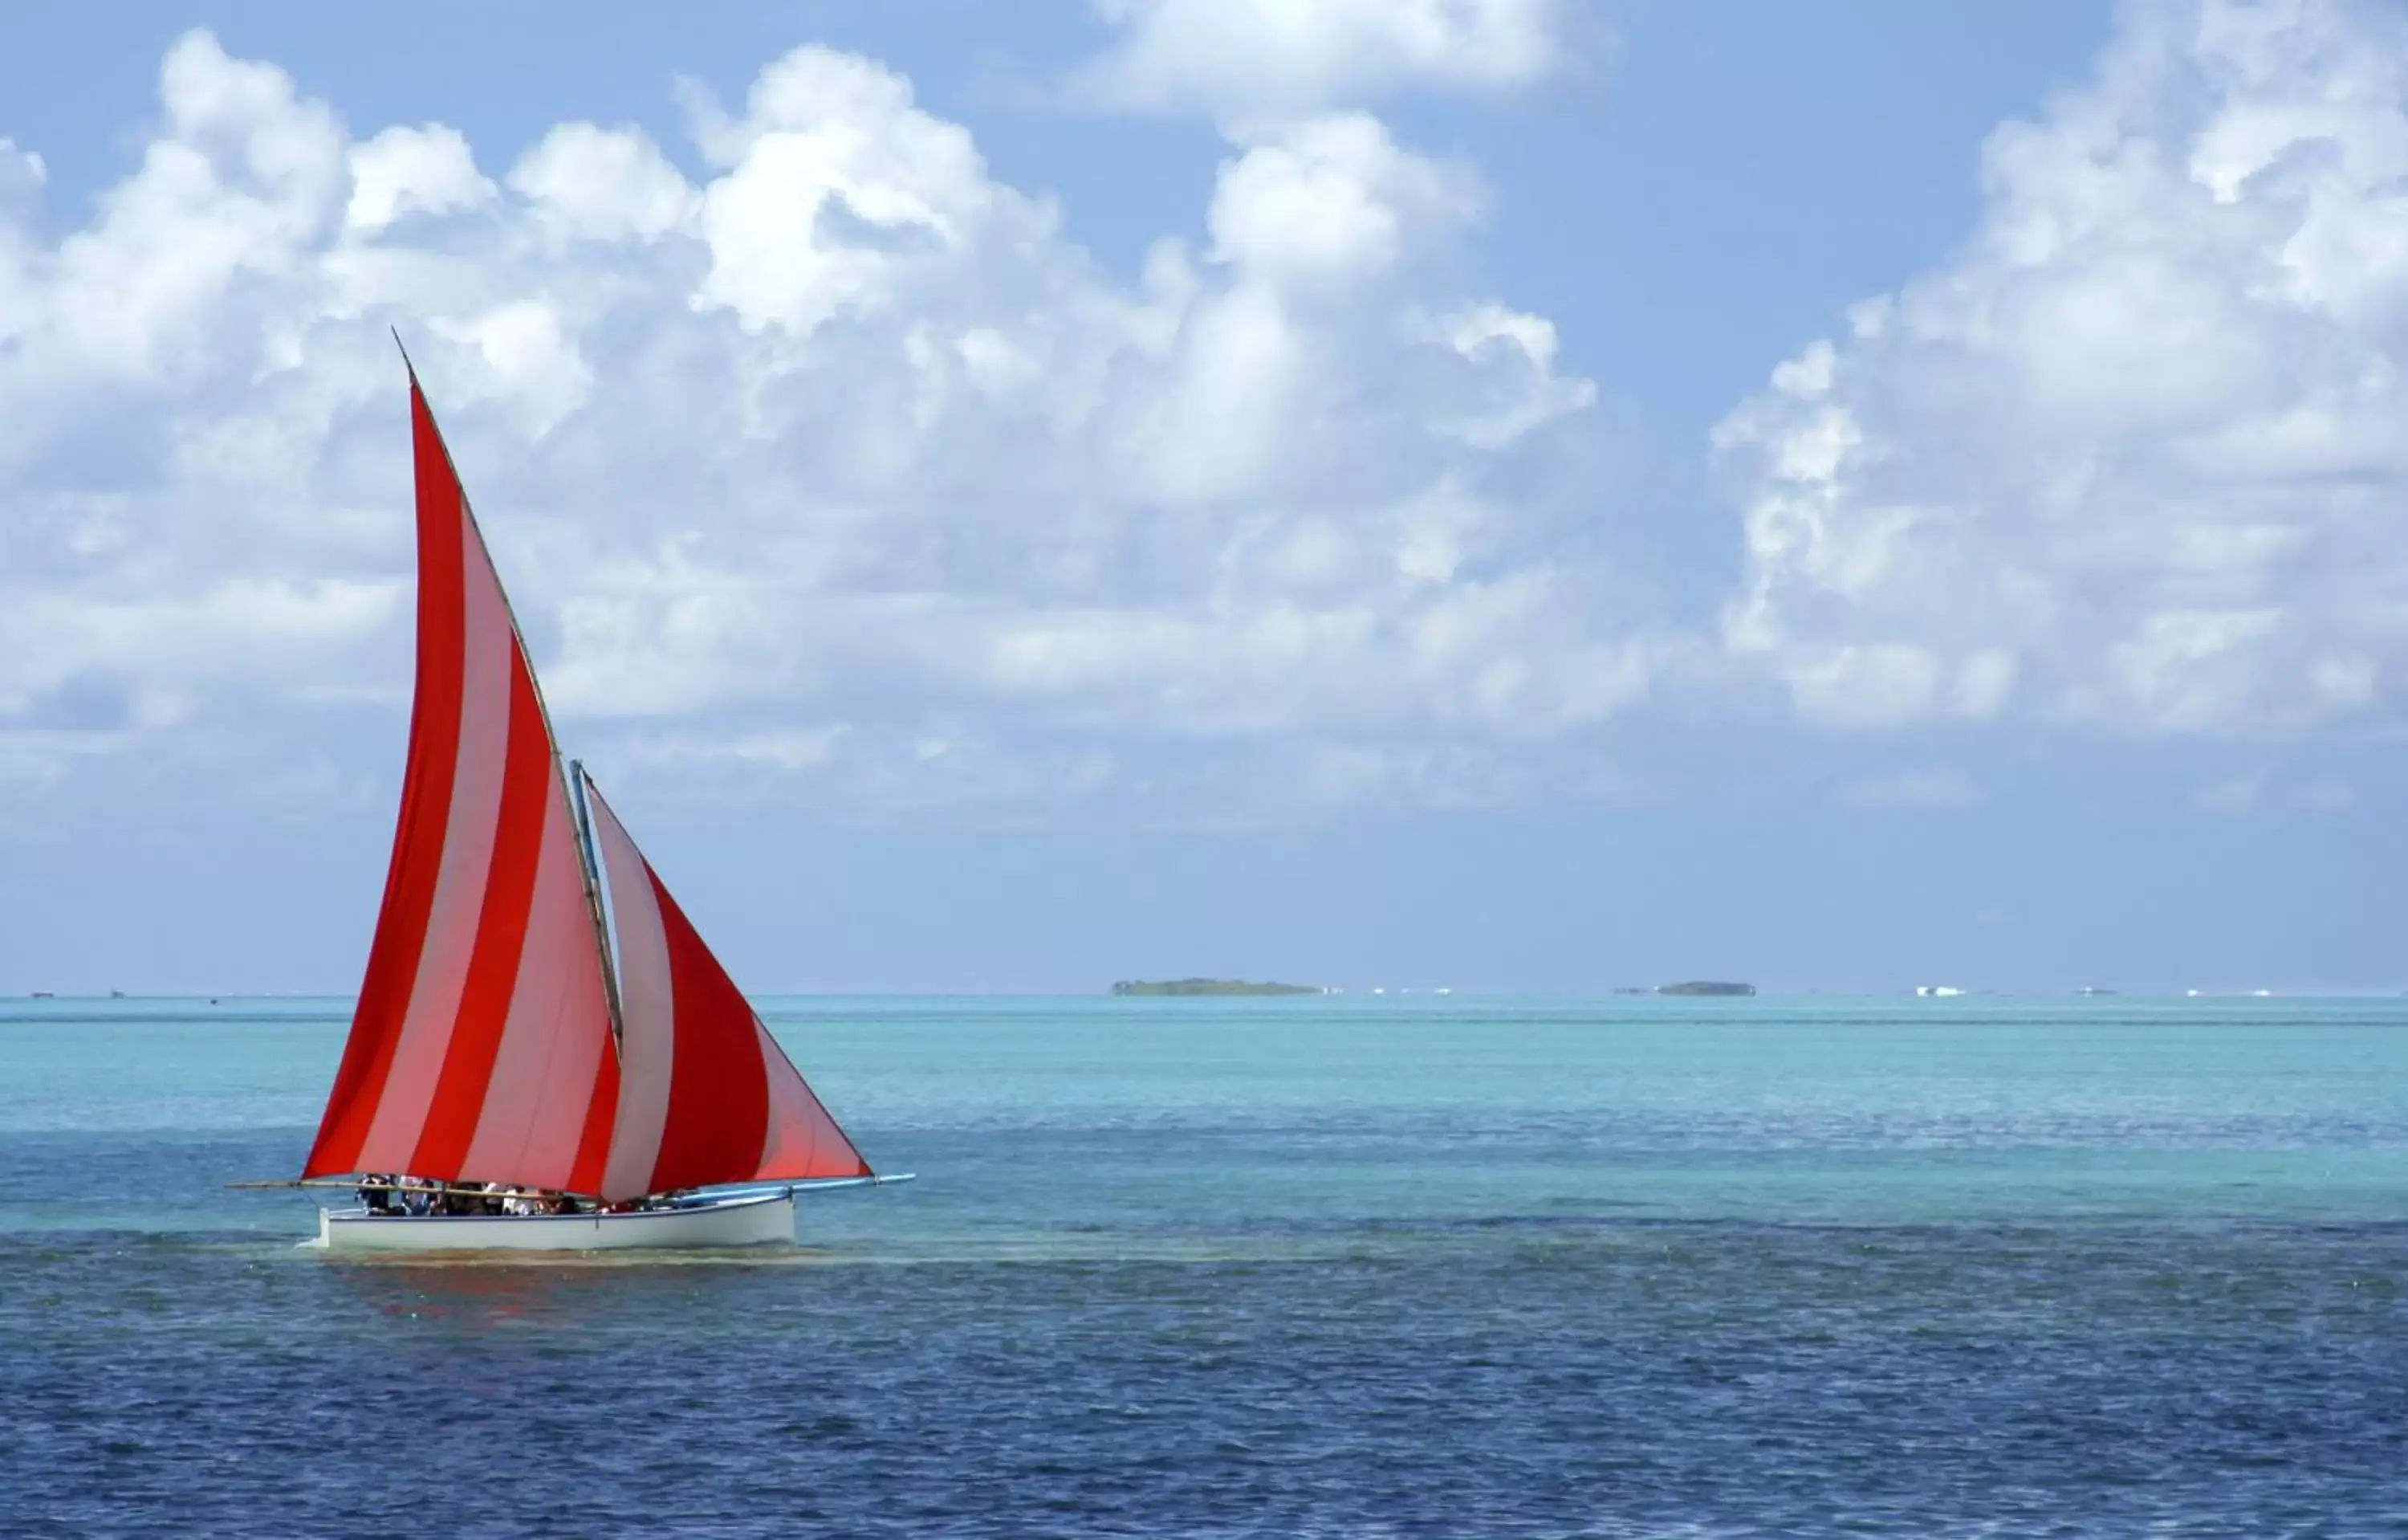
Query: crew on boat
(401, 1196)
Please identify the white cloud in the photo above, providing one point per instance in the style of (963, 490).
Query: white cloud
(837, 193)
(846, 432)
(1247, 58)
(603, 183)
(1332, 199)
(1934, 786)
(405, 171)
(242, 176)
(527, 358)
(1515, 357)
(2130, 459)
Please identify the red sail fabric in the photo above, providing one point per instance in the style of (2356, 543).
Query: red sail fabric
(480, 1049)
(705, 1093)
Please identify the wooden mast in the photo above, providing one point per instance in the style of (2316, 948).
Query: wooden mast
(592, 866)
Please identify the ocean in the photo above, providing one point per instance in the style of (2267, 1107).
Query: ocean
(1328, 1267)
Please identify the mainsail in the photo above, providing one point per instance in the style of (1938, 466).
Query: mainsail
(481, 1045)
(706, 1094)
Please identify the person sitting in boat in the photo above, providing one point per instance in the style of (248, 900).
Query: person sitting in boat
(376, 1193)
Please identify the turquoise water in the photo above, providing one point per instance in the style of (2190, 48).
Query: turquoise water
(1391, 1266)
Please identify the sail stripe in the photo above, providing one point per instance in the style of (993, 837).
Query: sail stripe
(646, 1055)
(536, 1098)
(414, 875)
(450, 935)
(804, 1140)
(719, 1088)
(593, 1144)
(798, 1124)
(706, 1094)
(501, 941)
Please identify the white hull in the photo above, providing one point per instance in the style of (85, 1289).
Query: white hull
(757, 1220)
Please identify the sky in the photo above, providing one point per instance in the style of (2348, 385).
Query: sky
(1511, 495)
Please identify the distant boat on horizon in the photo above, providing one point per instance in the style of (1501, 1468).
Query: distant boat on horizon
(1937, 991)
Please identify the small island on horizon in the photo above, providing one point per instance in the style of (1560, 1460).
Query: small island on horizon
(1705, 986)
(1211, 986)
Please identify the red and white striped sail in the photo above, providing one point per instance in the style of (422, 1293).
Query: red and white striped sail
(482, 1047)
(705, 1093)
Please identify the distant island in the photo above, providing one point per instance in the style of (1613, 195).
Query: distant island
(1211, 987)
(1705, 986)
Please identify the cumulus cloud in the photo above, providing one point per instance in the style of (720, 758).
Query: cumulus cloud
(2130, 458)
(1253, 58)
(1332, 199)
(412, 170)
(840, 458)
(603, 184)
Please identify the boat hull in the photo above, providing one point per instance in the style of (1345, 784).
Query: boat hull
(766, 1220)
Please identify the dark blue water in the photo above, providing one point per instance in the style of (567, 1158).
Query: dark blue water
(1530, 1271)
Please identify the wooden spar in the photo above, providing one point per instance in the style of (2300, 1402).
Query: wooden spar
(589, 862)
(809, 1184)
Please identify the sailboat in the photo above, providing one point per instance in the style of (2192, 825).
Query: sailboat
(545, 1054)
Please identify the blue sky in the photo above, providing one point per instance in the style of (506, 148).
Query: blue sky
(1507, 493)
